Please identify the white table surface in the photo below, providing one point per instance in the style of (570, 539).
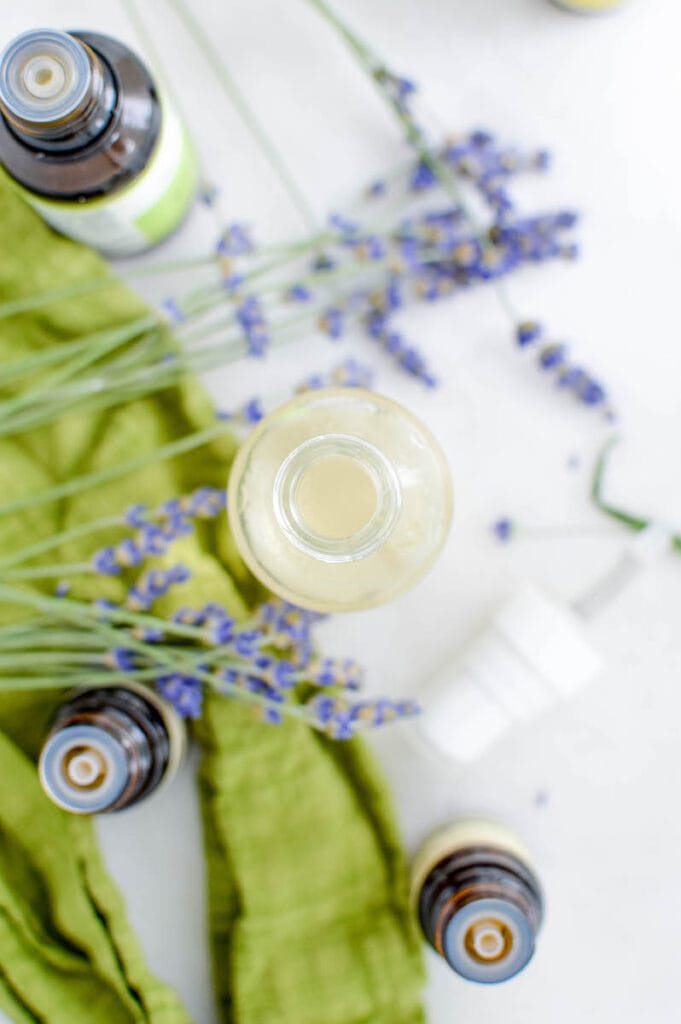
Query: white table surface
(592, 787)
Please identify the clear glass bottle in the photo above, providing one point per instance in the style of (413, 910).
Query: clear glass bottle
(91, 141)
(109, 748)
(478, 899)
(340, 500)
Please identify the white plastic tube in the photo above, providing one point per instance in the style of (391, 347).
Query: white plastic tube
(529, 656)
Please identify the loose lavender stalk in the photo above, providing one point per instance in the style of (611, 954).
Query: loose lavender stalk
(87, 481)
(186, 673)
(396, 91)
(261, 661)
(435, 165)
(78, 289)
(363, 262)
(245, 111)
(94, 342)
(633, 521)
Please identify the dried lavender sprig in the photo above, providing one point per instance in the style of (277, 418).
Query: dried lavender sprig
(246, 687)
(392, 343)
(276, 625)
(100, 393)
(554, 360)
(174, 662)
(136, 516)
(180, 674)
(153, 379)
(397, 91)
(341, 719)
(85, 350)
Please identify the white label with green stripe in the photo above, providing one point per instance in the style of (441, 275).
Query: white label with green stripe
(142, 213)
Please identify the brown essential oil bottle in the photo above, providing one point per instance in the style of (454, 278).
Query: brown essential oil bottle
(109, 748)
(477, 899)
(91, 141)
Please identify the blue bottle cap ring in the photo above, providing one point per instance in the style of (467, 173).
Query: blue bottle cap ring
(83, 769)
(45, 76)
(488, 940)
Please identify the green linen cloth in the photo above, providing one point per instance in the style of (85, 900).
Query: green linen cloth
(307, 889)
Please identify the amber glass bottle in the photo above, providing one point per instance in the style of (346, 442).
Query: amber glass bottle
(91, 141)
(110, 747)
(477, 899)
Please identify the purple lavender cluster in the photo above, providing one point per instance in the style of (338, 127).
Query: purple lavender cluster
(266, 659)
(156, 530)
(250, 314)
(364, 277)
(342, 719)
(263, 661)
(553, 358)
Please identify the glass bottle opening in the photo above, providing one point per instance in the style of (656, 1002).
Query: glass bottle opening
(55, 92)
(45, 76)
(337, 498)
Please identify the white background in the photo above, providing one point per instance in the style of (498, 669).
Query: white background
(592, 787)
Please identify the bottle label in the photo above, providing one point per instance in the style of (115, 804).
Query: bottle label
(144, 212)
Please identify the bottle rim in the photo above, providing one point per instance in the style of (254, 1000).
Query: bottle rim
(364, 541)
(47, 52)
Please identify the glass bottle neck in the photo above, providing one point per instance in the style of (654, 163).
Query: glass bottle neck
(337, 498)
(55, 92)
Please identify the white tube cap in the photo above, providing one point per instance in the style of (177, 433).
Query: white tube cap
(527, 658)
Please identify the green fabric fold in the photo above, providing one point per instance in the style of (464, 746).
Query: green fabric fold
(307, 884)
(307, 888)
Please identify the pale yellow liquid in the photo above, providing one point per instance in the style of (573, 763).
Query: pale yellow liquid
(336, 497)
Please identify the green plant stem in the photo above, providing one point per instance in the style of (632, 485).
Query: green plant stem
(79, 612)
(19, 659)
(65, 293)
(51, 638)
(86, 615)
(70, 680)
(25, 628)
(634, 522)
(81, 288)
(372, 64)
(67, 646)
(150, 47)
(62, 351)
(47, 572)
(59, 539)
(97, 394)
(210, 54)
(66, 372)
(89, 480)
